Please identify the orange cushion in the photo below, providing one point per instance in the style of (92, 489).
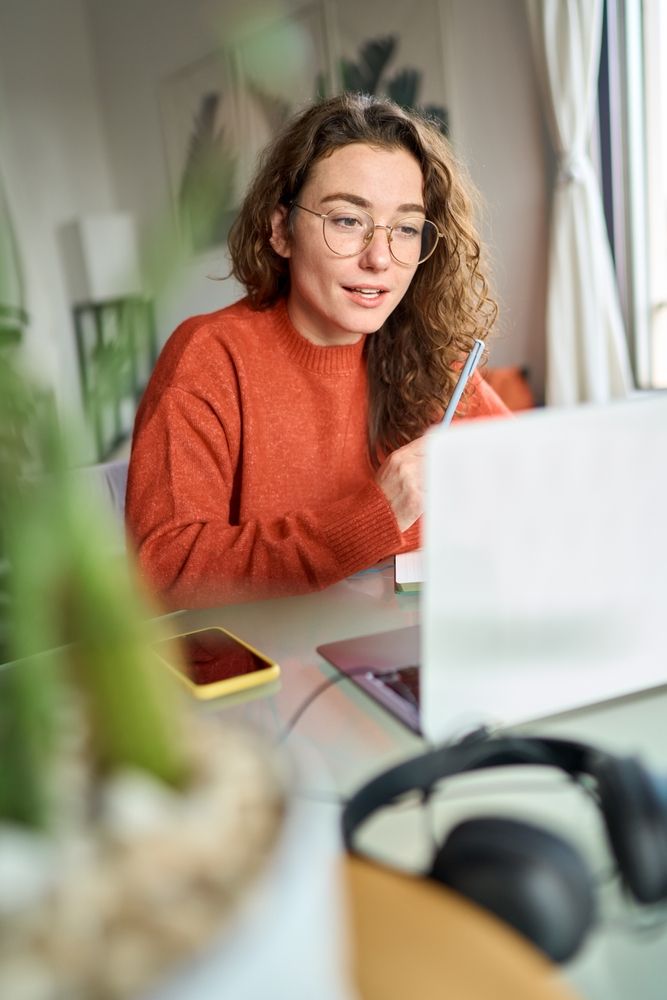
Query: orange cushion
(511, 384)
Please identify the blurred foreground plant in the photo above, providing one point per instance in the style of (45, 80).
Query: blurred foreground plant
(130, 829)
(126, 821)
(63, 591)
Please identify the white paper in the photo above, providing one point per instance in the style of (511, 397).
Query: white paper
(409, 567)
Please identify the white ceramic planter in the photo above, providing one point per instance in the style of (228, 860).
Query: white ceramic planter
(287, 939)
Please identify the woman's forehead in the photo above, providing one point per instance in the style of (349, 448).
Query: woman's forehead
(358, 167)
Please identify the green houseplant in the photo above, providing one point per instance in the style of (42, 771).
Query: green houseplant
(130, 829)
(146, 852)
(120, 815)
(13, 316)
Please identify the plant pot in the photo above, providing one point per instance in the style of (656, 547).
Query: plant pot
(230, 889)
(287, 940)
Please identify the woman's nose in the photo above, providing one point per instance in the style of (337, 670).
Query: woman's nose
(376, 254)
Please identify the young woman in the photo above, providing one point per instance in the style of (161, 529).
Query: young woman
(278, 447)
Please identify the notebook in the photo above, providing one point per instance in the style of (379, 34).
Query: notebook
(408, 572)
(545, 558)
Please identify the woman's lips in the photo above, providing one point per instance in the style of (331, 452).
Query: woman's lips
(365, 295)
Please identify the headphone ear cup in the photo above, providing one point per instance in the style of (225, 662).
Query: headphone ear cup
(529, 878)
(634, 807)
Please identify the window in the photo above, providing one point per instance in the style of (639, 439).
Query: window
(655, 99)
(633, 162)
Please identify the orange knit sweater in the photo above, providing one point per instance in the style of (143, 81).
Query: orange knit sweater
(249, 475)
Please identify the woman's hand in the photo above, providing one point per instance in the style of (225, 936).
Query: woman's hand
(401, 479)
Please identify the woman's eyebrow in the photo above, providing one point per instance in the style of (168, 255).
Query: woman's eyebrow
(354, 199)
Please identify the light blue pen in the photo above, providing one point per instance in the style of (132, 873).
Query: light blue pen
(471, 363)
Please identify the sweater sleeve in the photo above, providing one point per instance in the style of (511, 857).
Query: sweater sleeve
(181, 485)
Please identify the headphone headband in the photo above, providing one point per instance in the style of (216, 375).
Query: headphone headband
(527, 876)
(425, 770)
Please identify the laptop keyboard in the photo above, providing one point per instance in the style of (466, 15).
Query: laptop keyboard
(404, 682)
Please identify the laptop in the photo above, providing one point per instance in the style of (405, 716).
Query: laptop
(386, 666)
(545, 572)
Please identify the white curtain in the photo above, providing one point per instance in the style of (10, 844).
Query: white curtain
(587, 354)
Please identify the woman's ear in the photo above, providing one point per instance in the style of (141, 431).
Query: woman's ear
(279, 232)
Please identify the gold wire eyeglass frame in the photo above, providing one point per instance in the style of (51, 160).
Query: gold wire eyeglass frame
(367, 238)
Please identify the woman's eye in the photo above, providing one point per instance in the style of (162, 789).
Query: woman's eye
(347, 221)
(408, 230)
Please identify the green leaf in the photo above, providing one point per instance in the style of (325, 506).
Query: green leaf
(404, 87)
(365, 75)
(29, 694)
(207, 187)
(438, 114)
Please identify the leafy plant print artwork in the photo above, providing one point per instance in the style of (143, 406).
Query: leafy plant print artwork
(370, 75)
(220, 112)
(206, 192)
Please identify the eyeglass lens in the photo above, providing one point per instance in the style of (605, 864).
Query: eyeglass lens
(411, 240)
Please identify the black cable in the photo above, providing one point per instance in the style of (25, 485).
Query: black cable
(329, 682)
(481, 733)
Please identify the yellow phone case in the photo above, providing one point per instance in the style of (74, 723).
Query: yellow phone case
(228, 685)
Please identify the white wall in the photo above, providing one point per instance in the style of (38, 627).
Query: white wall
(492, 96)
(54, 161)
(497, 129)
(81, 81)
(137, 47)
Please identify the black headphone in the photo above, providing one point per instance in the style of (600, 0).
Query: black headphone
(527, 876)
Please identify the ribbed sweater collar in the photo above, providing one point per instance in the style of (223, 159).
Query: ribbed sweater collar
(331, 360)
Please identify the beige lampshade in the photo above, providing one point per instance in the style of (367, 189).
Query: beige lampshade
(101, 257)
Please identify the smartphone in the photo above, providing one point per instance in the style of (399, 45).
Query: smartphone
(213, 662)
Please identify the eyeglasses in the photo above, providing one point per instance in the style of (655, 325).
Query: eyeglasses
(347, 232)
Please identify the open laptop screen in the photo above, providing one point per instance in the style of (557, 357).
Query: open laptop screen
(545, 563)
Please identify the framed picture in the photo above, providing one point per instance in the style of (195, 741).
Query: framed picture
(399, 54)
(219, 112)
(117, 348)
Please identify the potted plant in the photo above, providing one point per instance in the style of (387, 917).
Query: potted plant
(144, 851)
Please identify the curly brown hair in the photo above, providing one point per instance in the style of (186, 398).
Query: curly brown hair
(413, 359)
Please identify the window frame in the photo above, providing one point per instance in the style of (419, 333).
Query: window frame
(626, 105)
